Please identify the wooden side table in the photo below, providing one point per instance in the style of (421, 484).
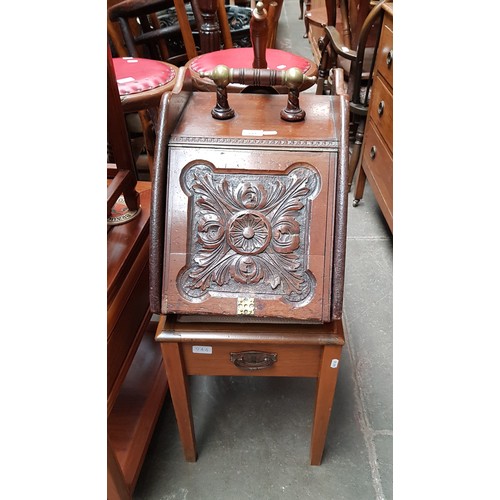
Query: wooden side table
(248, 231)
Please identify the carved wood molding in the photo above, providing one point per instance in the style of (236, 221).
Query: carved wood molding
(248, 233)
(273, 143)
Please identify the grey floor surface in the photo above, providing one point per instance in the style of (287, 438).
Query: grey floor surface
(253, 434)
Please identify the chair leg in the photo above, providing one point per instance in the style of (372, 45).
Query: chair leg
(149, 139)
(355, 154)
(178, 386)
(360, 187)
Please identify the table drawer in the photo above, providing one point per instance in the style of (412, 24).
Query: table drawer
(234, 359)
(384, 63)
(381, 110)
(377, 164)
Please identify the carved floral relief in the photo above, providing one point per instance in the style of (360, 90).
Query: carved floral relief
(248, 233)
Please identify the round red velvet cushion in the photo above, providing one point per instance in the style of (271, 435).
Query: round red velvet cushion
(134, 74)
(243, 58)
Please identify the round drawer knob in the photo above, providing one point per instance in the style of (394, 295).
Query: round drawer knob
(373, 152)
(389, 58)
(381, 106)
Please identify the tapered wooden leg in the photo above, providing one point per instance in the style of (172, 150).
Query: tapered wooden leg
(177, 382)
(325, 390)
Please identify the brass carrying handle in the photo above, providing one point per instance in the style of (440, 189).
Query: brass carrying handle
(381, 106)
(373, 152)
(222, 76)
(293, 78)
(253, 360)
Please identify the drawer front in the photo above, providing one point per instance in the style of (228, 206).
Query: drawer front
(377, 164)
(381, 110)
(384, 63)
(249, 232)
(269, 360)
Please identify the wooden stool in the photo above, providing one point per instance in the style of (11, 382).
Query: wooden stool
(268, 350)
(248, 233)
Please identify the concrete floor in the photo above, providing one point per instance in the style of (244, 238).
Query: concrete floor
(253, 434)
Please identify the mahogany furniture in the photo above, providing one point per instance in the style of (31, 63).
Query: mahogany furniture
(376, 155)
(136, 382)
(361, 62)
(136, 385)
(257, 56)
(320, 13)
(248, 231)
(121, 174)
(137, 29)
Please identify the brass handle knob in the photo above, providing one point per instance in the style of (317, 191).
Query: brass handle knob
(381, 106)
(389, 58)
(373, 152)
(253, 360)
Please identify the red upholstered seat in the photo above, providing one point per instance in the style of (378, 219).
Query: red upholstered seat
(134, 74)
(243, 58)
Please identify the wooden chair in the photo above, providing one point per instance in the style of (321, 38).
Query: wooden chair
(258, 56)
(360, 63)
(214, 43)
(168, 30)
(121, 174)
(141, 84)
(138, 31)
(347, 16)
(141, 79)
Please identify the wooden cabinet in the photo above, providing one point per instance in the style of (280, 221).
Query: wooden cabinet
(253, 223)
(137, 382)
(376, 155)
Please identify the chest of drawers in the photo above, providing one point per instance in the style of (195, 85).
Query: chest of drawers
(377, 150)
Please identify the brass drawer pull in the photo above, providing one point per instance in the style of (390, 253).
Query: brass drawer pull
(389, 58)
(253, 360)
(381, 106)
(373, 152)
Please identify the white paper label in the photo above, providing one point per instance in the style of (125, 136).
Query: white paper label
(334, 363)
(127, 79)
(202, 349)
(257, 133)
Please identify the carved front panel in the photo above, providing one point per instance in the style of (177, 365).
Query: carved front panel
(248, 234)
(249, 241)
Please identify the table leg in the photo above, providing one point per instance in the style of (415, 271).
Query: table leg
(325, 390)
(179, 391)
